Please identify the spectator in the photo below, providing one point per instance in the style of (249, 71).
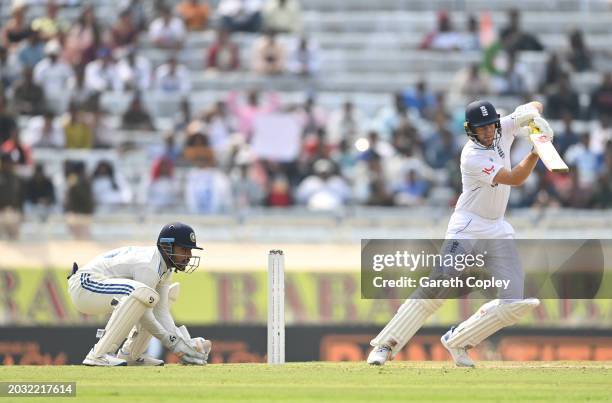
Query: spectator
(79, 93)
(568, 136)
(45, 131)
(314, 148)
(444, 37)
(137, 11)
(197, 147)
(167, 31)
(39, 190)
(49, 25)
(246, 114)
(124, 33)
(78, 201)
(194, 14)
(323, 190)
(32, 51)
(172, 78)
(345, 124)
(162, 190)
(601, 135)
(223, 54)
(278, 189)
(312, 118)
(412, 191)
(101, 74)
(134, 71)
(16, 28)
(553, 73)
(82, 40)
(246, 191)
(282, 16)
(370, 185)
(563, 100)
(11, 198)
(9, 69)
(207, 188)
(136, 117)
(8, 123)
(221, 125)
(440, 147)
(304, 58)
(470, 82)
(470, 40)
(53, 75)
(420, 99)
(388, 118)
(579, 56)
(77, 132)
(268, 55)
(601, 97)
(513, 81)
(603, 190)
(585, 162)
(240, 15)
(20, 153)
(28, 97)
(109, 188)
(514, 38)
(171, 150)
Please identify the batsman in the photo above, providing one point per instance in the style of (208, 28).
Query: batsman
(487, 177)
(134, 285)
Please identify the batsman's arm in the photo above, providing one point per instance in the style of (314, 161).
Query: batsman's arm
(519, 173)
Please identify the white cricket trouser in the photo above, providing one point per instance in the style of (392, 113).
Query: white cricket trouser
(93, 294)
(473, 234)
(496, 237)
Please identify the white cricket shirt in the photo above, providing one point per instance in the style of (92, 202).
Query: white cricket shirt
(140, 263)
(478, 168)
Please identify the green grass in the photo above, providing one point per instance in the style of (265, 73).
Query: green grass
(324, 382)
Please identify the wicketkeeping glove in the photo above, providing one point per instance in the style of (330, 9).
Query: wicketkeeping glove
(185, 350)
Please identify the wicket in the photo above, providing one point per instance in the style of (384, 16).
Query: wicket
(276, 307)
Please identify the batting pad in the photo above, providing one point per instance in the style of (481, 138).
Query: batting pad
(491, 317)
(126, 314)
(407, 321)
(137, 342)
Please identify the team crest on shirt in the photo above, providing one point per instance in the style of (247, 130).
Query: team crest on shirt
(192, 237)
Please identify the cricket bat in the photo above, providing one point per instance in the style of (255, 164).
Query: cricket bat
(547, 152)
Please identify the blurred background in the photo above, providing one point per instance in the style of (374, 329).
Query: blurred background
(304, 125)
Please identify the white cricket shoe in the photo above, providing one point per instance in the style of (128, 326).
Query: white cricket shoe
(460, 355)
(379, 355)
(143, 361)
(105, 360)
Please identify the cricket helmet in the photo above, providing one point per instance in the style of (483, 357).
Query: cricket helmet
(178, 234)
(479, 114)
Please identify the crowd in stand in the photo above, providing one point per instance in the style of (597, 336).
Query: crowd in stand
(406, 154)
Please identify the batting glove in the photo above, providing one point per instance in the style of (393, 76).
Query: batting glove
(544, 128)
(525, 114)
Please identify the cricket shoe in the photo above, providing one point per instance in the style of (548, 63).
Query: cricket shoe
(143, 361)
(105, 360)
(460, 355)
(379, 355)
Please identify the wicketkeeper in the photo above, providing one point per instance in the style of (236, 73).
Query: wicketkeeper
(134, 283)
